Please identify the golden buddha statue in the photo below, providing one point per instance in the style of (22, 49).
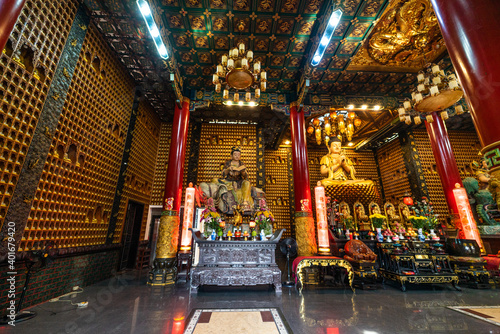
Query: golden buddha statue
(235, 177)
(392, 216)
(361, 218)
(338, 167)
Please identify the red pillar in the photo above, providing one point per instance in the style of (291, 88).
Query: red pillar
(175, 170)
(164, 269)
(9, 12)
(445, 160)
(471, 30)
(299, 160)
(304, 222)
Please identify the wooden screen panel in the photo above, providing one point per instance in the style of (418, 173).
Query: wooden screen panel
(141, 165)
(27, 66)
(161, 164)
(75, 194)
(277, 188)
(393, 171)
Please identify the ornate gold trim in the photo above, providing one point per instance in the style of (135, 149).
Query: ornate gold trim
(490, 146)
(325, 263)
(294, 104)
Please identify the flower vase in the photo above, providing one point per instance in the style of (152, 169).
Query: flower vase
(421, 236)
(213, 235)
(388, 239)
(262, 235)
(347, 234)
(380, 237)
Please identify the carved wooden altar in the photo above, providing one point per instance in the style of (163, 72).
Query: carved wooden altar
(236, 263)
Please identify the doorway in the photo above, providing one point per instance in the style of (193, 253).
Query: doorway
(131, 234)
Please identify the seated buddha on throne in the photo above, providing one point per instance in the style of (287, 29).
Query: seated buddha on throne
(233, 189)
(338, 167)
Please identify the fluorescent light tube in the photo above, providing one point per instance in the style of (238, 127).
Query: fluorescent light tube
(333, 22)
(153, 29)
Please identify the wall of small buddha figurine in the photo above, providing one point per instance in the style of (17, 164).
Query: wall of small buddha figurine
(393, 171)
(215, 148)
(278, 179)
(77, 188)
(466, 147)
(27, 66)
(161, 164)
(141, 164)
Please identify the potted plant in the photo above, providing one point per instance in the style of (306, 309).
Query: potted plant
(419, 222)
(378, 221)
(348, 224)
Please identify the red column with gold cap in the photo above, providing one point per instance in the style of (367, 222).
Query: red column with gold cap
(9, 13)
(471, 30)
(164, 269)
(304, 222)
(445, 159)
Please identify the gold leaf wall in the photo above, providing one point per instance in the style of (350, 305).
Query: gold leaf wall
(27, 66)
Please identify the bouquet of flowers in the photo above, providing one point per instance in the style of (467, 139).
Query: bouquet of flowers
(418, 222)
(377, 220)
(425, 210)
(264, 218)
(210, 218)
(348, 223)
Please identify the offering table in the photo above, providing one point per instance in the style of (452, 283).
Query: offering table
(236, 263)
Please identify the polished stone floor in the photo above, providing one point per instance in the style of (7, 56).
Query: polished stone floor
(125, 304)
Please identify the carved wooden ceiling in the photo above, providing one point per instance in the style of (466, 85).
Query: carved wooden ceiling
(375, 51)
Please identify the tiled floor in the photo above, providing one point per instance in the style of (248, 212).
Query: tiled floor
(127, 305)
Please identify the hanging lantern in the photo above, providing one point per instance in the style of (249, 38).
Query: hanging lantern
(318, 136)
(407, 199)
(244, 63)
(236, 97)
(256, 67)
(328, 128)
(444, 115)
(357, 122)
(417, 120)
(225, 94)
(459, 110)
(407, 120)
(257, 93)
(429, 118)
(250, 55)
(248, 96)
(263, 86)
(310, 130)
(217, 88)
(224, 60)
